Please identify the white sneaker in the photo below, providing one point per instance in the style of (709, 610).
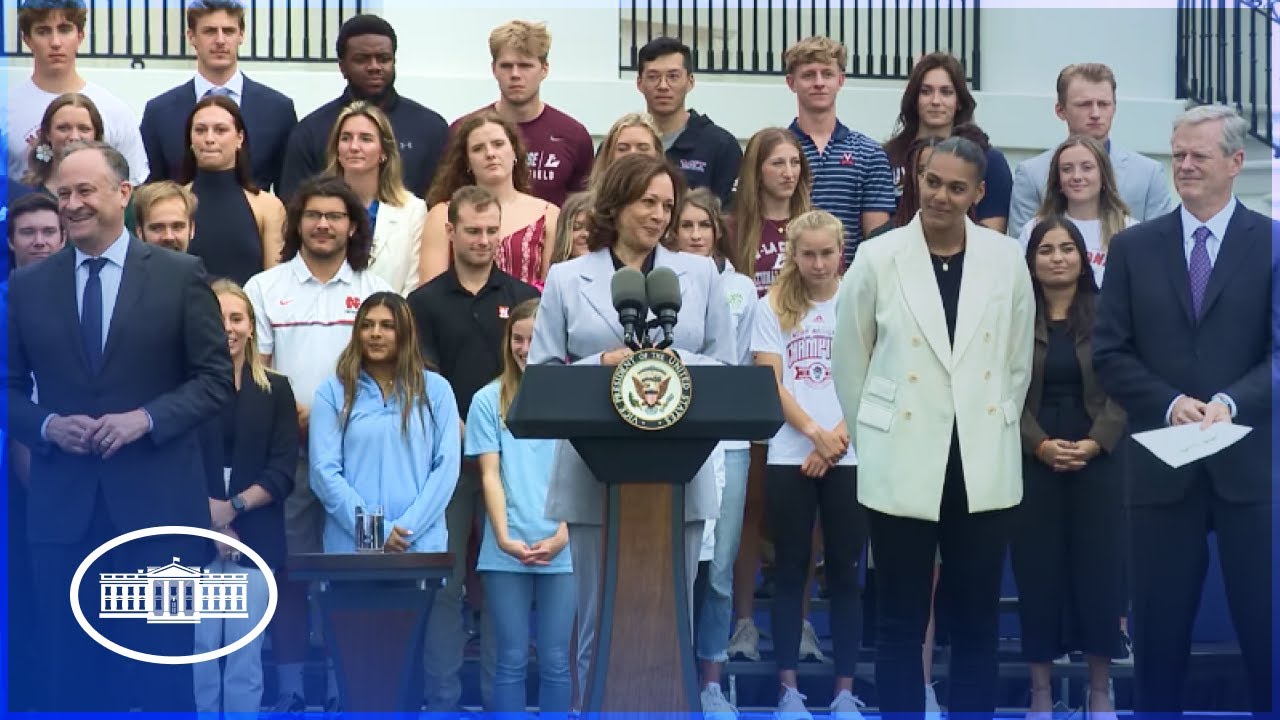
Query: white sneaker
(715, 703)
(932, 710)
(809, 644)
(791, 706)
(1064, 659)
(847, 706)
(745, 642)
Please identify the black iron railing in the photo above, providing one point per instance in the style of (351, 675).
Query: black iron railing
(139, 30)
(1224, 56)
(882, 37)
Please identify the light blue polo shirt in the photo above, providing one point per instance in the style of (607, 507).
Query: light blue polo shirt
(525, 467)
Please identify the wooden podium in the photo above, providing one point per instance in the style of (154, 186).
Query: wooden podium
(643, 659)
(375, 608)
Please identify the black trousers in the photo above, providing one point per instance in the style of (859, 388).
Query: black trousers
(973, 549)
(1066, 558)
(1170, 558)
(84, 676)
(793, 501)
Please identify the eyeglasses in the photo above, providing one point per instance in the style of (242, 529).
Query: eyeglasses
(316, 215)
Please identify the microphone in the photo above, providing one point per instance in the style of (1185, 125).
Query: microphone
(662, 288)
(628, 289)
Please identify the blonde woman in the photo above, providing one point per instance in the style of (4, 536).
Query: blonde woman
(363, 151)
(811, 467)
(631, 133)
(773, 187)
(571, 232)
(486, 150)
(524, 558)
(251, 455)
(1082, 187)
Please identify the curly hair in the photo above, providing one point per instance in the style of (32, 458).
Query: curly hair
(455, 171)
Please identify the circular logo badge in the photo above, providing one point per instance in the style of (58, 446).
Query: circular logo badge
(651, 389)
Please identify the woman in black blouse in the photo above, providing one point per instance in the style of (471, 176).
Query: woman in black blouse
(1066, 542)
(250, 455)
(239, 227)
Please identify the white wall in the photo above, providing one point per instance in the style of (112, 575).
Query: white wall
(443, 62)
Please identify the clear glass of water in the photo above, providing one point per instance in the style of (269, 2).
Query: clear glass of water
(370, 536)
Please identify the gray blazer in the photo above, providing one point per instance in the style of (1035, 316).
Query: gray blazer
(576, 323)
(1142, 181)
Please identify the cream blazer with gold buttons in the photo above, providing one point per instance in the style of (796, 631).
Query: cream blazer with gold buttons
(902, 384)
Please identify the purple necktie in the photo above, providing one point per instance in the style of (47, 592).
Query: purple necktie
(1199, 268)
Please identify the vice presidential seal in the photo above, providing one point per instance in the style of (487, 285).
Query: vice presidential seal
(651, 389)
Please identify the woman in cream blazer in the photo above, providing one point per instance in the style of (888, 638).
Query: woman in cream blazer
(363, 151)
(931, 359)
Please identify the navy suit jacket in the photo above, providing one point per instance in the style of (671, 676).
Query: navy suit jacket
(166, 352)
(1148, 348)
(269, 117)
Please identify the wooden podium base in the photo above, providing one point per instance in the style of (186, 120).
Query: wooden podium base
(643, 659)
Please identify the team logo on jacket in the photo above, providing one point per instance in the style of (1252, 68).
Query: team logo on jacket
(651, 390)
(693, 166)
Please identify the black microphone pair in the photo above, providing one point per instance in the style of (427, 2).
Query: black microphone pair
(634, 294)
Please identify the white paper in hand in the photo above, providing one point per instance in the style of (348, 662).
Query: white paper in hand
(1181, 444)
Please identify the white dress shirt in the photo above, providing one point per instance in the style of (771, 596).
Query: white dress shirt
(235, 86)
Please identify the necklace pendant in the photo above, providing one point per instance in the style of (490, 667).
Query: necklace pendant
(945, 266)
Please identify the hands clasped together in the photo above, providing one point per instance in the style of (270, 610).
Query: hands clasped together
(104, 436)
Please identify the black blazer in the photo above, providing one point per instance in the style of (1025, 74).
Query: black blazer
(166, 352)
(266, 454)
(1148, 349)
(269, 117)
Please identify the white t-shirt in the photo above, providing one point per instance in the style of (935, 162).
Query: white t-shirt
(1091, 231)
(27, 104)
(740, 293)
(806, 374)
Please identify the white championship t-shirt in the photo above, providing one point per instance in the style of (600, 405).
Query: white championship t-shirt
(1091, 231)
(806, 374)
(27, 104)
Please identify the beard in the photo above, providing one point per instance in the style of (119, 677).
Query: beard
(387, 92)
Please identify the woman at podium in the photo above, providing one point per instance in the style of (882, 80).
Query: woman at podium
(932, 360)
(633, 212)
(385, 435)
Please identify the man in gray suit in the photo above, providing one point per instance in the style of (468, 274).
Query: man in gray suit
(1087, 104)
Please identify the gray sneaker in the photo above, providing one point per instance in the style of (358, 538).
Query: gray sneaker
(745, 642)
(714, 703)
(809, 644)
(847, 706)
(791, 706)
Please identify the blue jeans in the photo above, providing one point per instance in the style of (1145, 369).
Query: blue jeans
(716, 614)
(237, 688)
(509, 598)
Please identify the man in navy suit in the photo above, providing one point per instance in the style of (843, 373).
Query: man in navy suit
(126, 344)
(215, 29)
(1183, 336)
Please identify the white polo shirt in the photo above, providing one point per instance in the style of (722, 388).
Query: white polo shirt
(304, 324)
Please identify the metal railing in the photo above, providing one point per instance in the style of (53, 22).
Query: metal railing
(1224, 56)
(882, 37)
(139, 30)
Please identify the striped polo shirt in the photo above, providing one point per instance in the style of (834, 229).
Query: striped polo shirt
(851, 176)
(304, 324)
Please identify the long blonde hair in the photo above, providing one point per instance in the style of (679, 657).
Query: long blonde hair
(747, 207)
(411, 366)
(604, 155)
(391, 189)
(512, 373)
(576, 204)
(788, 297)
(1112, 209)
(257, 370)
